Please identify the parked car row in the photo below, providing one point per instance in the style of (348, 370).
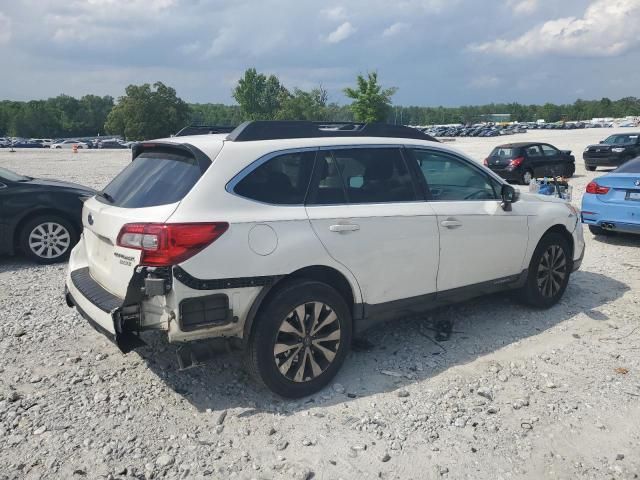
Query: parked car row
(111, 143)
(480, 130)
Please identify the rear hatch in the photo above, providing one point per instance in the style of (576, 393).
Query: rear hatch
(149, 189)
(500, 157)
(624, 190)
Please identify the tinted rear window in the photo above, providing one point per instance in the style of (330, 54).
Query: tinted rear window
(632, 166)
(154, 178)
(501, 152)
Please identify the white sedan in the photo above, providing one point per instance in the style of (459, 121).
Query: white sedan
(70, 144)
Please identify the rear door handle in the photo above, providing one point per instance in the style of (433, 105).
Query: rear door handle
(344, 227)
(451, 223)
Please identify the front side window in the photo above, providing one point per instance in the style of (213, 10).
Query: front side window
(549, 151)
(534, 151)
(282, 180)
(452, 179)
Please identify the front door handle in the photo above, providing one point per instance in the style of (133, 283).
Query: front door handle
(451, 223)
(344, 227)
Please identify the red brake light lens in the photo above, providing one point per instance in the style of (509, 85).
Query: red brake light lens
(165, 244)
(596, 189)
(516, 162)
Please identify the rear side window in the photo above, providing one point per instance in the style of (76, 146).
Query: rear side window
(153, 178)
(363, 175)
(282, 180)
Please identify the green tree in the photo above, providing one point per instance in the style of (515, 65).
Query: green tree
(145, 112)
(371, 103)
(260, 97)
(303, 105)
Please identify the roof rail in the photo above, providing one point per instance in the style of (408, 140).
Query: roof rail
(276, 130)
(203, 130)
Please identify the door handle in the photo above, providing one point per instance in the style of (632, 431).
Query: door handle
(451, 223)
(344, 227)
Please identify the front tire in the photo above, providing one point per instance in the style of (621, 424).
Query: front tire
(48, 239)
(549, 271)
(300, 340)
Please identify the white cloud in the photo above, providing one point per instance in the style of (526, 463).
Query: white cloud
(335, 13)
(5, 29)
(608, 28)
(523, 7)
(341, 33)
(395, 29)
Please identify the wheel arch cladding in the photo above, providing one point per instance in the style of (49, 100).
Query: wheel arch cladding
(17, 232)
(320, 273)
(566, 234)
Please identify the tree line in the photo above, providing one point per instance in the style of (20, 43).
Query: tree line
(152, 111)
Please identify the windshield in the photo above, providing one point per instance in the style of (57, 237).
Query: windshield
(626, 139)
(10, 176)
(153, 178)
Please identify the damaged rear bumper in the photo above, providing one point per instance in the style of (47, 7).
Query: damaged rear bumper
(104, 311)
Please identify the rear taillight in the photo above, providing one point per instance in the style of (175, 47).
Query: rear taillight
(516, 162)
(165, 244)
(596, 189)
(486, 162)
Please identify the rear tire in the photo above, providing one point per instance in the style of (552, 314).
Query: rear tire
(48, 239)
(590, 169)
(527, 177)
(549, 271)
(292, 358)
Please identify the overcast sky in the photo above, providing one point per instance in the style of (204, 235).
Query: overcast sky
(437, 52)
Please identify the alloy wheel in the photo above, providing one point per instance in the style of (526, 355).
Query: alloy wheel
(49, 240)
(552, 271)
(307, 341)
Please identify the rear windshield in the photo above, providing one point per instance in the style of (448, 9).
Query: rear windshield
(632, 166)
(502, 152)
(622, 139)
(153, 178)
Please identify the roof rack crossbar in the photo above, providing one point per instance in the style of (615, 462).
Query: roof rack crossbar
(278, 130)
(203, 130)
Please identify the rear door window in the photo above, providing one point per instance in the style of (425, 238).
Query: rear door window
(366, 175)
(505, 153)
(153, 178)
(533, 151)
(282, 180)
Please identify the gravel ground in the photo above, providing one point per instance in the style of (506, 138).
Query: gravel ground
(514, 393)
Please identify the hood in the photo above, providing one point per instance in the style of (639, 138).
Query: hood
(61, 184)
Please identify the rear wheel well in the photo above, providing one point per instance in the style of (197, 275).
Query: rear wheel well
(39, 213)
(319, 273)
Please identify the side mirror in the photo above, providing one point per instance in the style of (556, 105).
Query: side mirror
(601, 141)
(509, 195)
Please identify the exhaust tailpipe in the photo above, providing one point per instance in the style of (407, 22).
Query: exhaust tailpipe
(608, 226)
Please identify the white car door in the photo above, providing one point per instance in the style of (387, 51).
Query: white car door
(368, 212)
(479, 240)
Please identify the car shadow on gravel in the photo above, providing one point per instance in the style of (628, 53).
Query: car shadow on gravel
(15, 264)
(393, 356)
(619, 239)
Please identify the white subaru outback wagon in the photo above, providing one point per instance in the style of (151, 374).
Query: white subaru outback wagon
(292, 237)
